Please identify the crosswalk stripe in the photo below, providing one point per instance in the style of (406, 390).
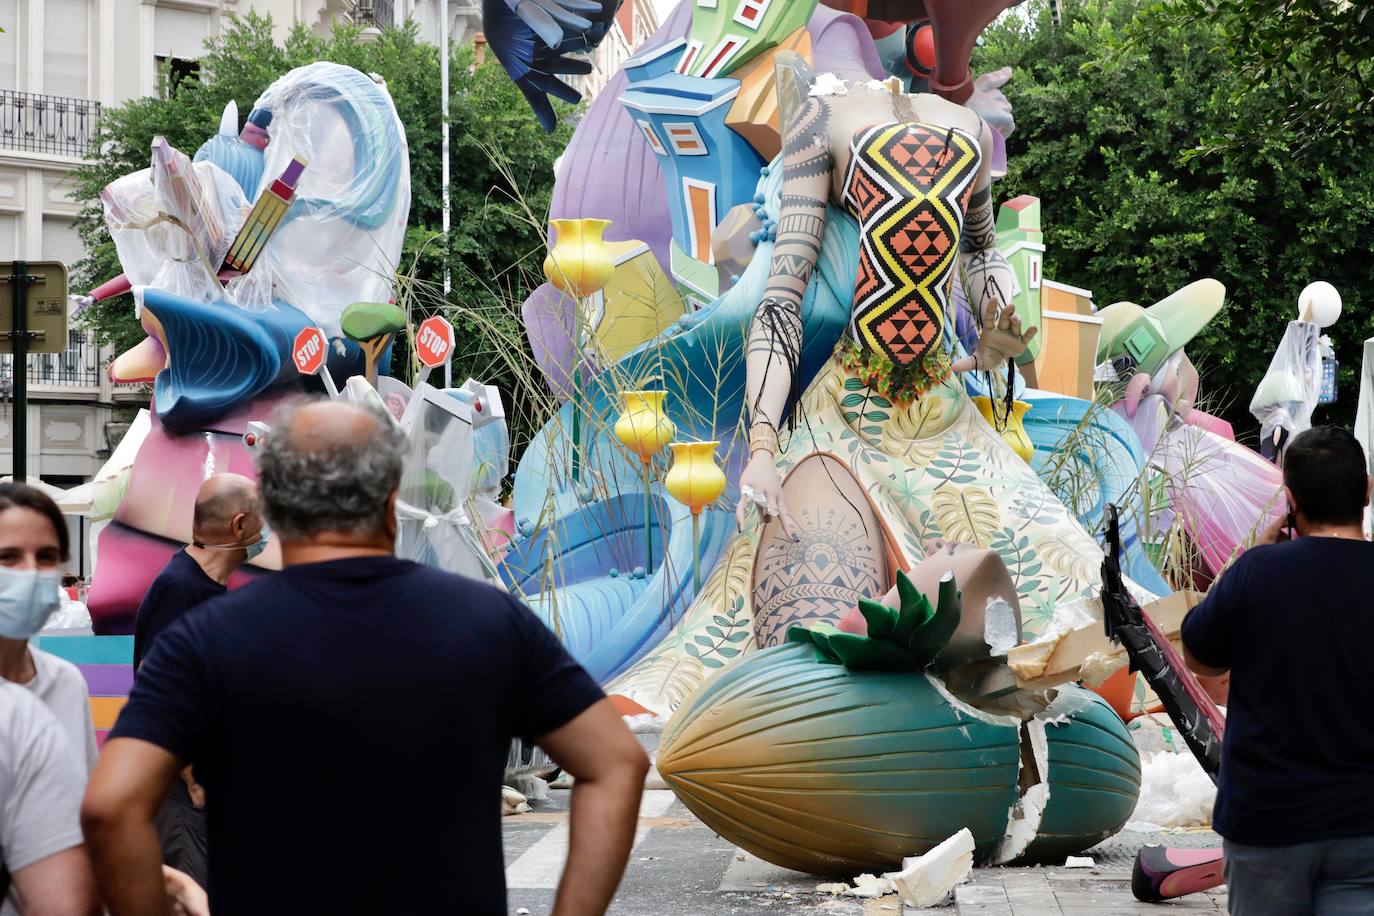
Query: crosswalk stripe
(540, 866)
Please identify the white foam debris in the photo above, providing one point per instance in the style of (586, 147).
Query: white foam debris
(1080, 862)
(828, 84)
(1023, 823)
(870, 886)
(512, 802)
(1174, 791)
(1099, 666)
(1072, 615)
(654, 779)
(929, 879)
(645, 723)
(833, 890)
(999, 626)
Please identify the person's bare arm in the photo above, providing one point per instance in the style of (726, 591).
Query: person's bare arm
(1198, 667)
(60, 885)
(608, 766)
(129, 784)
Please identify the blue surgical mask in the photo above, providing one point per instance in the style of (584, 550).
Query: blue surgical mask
(255, 550)
(27, 599)
(252, 550)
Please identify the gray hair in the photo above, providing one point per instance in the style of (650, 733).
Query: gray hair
(330, 480)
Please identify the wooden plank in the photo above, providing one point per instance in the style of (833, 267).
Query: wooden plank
(1047, 663)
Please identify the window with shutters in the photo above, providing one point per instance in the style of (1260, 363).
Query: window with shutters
(9, 44)
(61, 241)
(9, 236)
(178, 43)
(66, 48)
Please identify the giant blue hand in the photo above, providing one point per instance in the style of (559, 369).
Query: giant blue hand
(556, 20)
(517, 30)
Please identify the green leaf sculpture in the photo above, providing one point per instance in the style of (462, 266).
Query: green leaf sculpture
(907, 639)
(372, 325)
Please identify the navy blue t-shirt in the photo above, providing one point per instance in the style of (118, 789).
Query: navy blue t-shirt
(351, 722)
(1295, 624)
(180, 586)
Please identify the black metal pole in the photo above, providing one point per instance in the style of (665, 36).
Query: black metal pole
(19, 284)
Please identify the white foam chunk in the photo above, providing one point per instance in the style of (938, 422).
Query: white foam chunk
(927, 880)
(1079, 862)
(999, 626)
(870, 886)
(512, 802)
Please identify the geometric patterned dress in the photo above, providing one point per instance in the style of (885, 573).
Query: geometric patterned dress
(908, 186)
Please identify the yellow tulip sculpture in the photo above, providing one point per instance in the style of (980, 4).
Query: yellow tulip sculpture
(1015, 432)
(695, 481)
(578, 265)
(644, 429)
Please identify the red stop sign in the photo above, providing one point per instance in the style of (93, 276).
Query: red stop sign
(434, 342)
(309, 350)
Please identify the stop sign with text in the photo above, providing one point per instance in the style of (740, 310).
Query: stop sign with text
(434, 342)
(309, 350)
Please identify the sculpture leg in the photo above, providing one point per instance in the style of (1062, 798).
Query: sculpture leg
(840, 558)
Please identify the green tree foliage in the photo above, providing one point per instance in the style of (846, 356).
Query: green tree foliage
(1310, 64)
(502, 174)
(1108, 107)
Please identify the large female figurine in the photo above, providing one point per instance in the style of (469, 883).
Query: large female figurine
(883, 455)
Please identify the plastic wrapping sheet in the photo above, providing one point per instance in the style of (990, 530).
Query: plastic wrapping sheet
(491, 464)
(432, 505)
(1225, 494)
(1222, 492)
(341, 239)
(173, 222)
(1288, 393)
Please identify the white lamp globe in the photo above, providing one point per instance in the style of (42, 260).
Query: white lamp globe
(1319, 303)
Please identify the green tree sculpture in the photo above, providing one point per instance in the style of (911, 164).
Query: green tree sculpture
(372, 326)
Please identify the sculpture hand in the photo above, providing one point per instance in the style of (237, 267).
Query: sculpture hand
(1176, 382)
(1000, 338)
(531, 63)
(555, 20)
(991, 103)
(760, 475)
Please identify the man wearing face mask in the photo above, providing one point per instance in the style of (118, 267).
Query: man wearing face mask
(227, 531)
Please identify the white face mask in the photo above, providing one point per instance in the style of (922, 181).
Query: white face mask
(27, 599)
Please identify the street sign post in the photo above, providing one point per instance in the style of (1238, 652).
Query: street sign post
(309, 353)
(33, 319)
(434, 348)
(434, 342)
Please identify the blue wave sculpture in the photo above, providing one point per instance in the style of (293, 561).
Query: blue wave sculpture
(610, 621)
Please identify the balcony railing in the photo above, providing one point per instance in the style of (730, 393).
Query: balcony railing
(76, 367)
(381, 13)
(48, 123)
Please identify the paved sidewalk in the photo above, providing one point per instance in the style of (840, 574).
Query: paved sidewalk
(679, 867)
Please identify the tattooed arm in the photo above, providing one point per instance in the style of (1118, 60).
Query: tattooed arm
(989, 282)
(775, 336)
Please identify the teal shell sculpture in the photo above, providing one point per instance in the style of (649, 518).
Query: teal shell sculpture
(823, 768)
